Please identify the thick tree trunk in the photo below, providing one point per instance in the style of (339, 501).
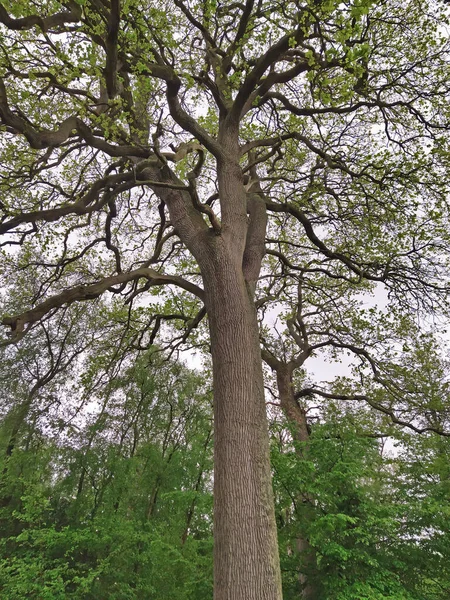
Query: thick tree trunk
(246, 561)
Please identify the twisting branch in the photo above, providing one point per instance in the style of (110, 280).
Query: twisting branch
(263, 63)
(88, 203)
(21, 323)
(195, 22)
(70, 127)
(73, 15)
(309, 230)
(376, 405)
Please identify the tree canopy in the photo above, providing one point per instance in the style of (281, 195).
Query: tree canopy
(264, 181)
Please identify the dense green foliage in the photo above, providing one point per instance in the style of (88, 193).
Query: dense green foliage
(119, 506)
(374, 532)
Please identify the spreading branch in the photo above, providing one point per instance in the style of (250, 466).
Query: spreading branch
(20, 323)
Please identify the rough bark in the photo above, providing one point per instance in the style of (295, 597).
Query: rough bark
(246, 559)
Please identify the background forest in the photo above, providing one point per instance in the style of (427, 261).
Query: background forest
(107, 483)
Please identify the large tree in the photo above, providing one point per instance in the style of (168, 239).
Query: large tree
(175, 144)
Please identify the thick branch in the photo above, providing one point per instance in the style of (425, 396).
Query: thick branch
(82, 206)
(254, 244)
(188, 123)
(69, 127)
(265, 61)
(242, 28)
(73, 15)
(111, 49)
(22, 322)
(186, 219)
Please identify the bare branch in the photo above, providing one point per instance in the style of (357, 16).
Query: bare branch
(376, 405)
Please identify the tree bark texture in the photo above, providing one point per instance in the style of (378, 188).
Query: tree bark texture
(246, 563)
(246, 560)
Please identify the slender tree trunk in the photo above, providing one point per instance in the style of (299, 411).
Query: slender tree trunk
(191, 509)
(297, 418)
(294, 413)
(16, 418)
(246, 562)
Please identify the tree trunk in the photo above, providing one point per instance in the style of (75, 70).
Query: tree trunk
(191, 509)
(246, 562)
(293, 412)
(297, 418)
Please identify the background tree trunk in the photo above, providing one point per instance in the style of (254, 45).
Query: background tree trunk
(297, 419)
